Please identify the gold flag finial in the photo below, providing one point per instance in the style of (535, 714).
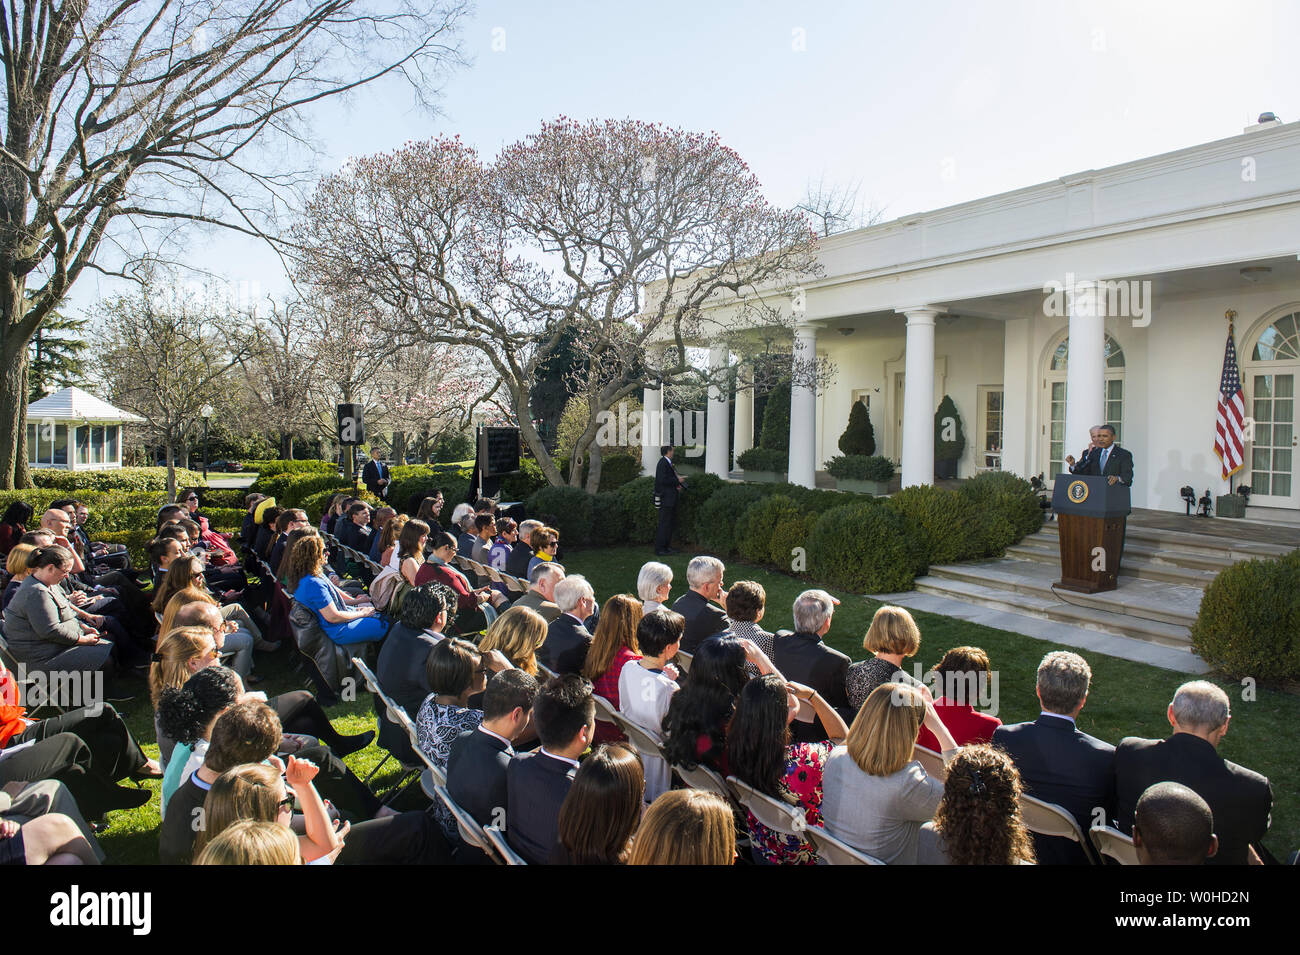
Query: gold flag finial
(1230, 314)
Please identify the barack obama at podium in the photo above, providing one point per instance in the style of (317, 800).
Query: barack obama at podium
(1104, 457)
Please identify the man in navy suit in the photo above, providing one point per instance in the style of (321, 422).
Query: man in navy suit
(1103, 457)
(375, 475)
(668, 485)
(1058, 763)
(803, 657)
(480, 758)
(567, 638)
(564, 715)
(699, 606)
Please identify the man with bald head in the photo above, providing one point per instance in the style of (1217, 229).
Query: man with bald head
(1241, 800)
(1173, 826)
(227, 634)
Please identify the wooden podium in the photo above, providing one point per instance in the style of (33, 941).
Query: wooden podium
(1091, 515)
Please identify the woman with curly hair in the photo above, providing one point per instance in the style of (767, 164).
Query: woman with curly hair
(187, 714)
(978, 820)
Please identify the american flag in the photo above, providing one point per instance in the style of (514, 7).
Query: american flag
(1229, 441)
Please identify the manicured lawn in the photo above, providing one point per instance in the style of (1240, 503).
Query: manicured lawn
(1127, 699)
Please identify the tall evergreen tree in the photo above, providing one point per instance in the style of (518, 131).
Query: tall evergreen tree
(54, 355)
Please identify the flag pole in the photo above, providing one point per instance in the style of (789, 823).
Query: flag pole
(1230, 314)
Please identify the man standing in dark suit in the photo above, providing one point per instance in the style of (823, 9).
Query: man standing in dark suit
(479, 759)
(668, 485)
(375, 475)
(802, 657)
(564, 715)
(1058, 763)
(703, 619)
(1104, 457)
(1240, 799)
(567, 639)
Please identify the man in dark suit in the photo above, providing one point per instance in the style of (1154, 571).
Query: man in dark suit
(521, 552)
(564, 715)
(668, 485)
(1058, 763)
(803, 658)
(479, 759)
(1104, 457)
(567, 639)
(1173, 826)
(375, 475)
(1240, 799)
(703, 619)
(540, 595)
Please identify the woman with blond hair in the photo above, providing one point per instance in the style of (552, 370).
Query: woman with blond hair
(186, 572)
(517, 633)
(875, 796)
(685, 827)
(613, 646)
(978, 821)
(252, 843)
(893, 637)
(233, 639)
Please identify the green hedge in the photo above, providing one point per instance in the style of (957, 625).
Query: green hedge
(865, 548)
(860, 467)
(951, 529)
(1008, 508)
(136, 541)
(608, 519)
(568, 509)
(639, 510)
(119, 479)
(756, 527)
(790, 537)
(1249, 621)
(280, 466)
(409, 479)
(699, 488)
(764, 459)
(223, 497)
(716, 520)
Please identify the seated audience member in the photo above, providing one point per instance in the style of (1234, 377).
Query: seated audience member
(378, 523)
(521, 554)
(42, 626)
(105, 557)
(402, 668)
(438, 568)
(187, 571)
(232, 638)
(540, 595)
(761, 753)
(695, 726)
(704, 578)
(22, 803)
(485, 530)
(253, 843)
(893, 637)
(602, 809)
(265, 517)
(1172, 825)
(429, 509)
(567, 638)
(654, 582)
(1057, 762)
(564, 715)
(686, 827)
(187, 716)
(389, 542)
(613, 645)
(503, 546)
(51, 839)
(355, 531)
(163, 551)
(220, 553)
(1240, 799)
(465, 536)
(16, 567)
(128, 600)
(965, 674)
(479, 758)
(345, 619)
(248, 529)
(331, 512)
(803, 657)
(410, 550)
(545, 541)
(647, 685)
(289, 521)
(978, 821)
(746, 602)
(14, 524)
(875, 796)
(518, 633)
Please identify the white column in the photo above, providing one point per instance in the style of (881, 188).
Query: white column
(803, 410)
(1085, 377)
(652, 404)
(744, 412)
(717, 440)
(918, 397)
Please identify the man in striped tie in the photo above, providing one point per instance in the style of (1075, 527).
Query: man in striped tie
(1106, 458)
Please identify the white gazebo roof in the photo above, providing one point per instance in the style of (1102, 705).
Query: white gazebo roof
(73, 404)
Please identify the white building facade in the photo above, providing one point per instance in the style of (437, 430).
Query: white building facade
(996, 303)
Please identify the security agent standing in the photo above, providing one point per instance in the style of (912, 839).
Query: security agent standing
(375, 475)
(1104, 457)
(668, 485)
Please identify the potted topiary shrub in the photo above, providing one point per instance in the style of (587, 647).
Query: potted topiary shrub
(949, 439)
(864, 474)
(859, 437)
(764, 464)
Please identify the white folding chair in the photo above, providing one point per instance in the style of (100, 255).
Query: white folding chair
(931, 761)
(684, 660)
(498, 840)
(832, 851)
(391, 709)
(702, 777)
(641, 738)
(1049, 819)
(439, 774)
(514, 584)
(470, 831)
(1110, 842)
(605, 711)
(776, 815)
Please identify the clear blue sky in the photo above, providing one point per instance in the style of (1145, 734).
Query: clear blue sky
(925, 103)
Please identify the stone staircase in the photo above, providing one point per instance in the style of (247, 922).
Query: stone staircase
(1163, 575)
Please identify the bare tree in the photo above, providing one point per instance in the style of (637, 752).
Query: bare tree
(124, 121)
(837, 207)
(279, 358)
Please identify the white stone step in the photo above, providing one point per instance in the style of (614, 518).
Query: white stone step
(1138, 561)
(1234, 549)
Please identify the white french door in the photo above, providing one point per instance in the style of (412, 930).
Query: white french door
(1270, 458)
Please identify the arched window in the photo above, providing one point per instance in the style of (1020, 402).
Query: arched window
(1279, 341)
(1054, 410)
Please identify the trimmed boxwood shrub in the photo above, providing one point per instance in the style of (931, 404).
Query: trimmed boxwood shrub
(608, 519)
(222, 497)
(281, 466)
(860, 467)
(764, 459)
(523, 485)
(951, 529)
(819, 500)
(776, 420)
(755, 528)
(716, 520)
(136, 541)
(1249, 621)
(791, 532)
(617, 470)
(567, 509)
(1008, 502)
(412, 478)
(119, 479)
(699, 488)
(865, 548)
(639, 510)
(299, 487)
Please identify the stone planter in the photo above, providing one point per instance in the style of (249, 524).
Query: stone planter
(1229, 505)
(685, 469)
(859, 486)
(766, 477)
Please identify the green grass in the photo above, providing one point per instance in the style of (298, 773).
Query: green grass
(1127, 699)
